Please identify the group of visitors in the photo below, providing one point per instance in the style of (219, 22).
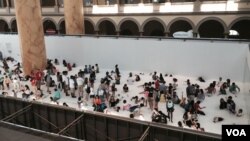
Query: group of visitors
(104, 94)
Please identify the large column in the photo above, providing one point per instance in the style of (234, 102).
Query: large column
(94, 2)
(31, 36)
(73, 12)
(56, 6)
(7, 3)
(1, 3)
(7, 6)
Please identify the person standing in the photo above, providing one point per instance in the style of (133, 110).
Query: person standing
(65, 83)
(151, 96)
(39, 74)
(117, 71)
(16, 84)
(7, 82)
(170, 108)
(48, 80)
(72, 86)
(80, 82)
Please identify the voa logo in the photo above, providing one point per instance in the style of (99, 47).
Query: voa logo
(236, 132)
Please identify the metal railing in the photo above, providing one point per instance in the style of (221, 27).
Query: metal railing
(143, 37)
(90, 125)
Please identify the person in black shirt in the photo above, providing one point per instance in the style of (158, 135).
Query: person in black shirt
(113, 89)
(137, 78)
(125, 88)
(161, 78)
(113, 102)
(150, 96)
(117, 71)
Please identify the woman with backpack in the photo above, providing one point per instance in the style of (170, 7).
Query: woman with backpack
(170, 108)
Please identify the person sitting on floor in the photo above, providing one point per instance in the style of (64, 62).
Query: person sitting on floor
(136, 99)
(187, 119)
(130, 79)
(154, 76)
(96, 103)
(26, 92)
(137, 78)
(113, 102)
(65, 104)
(231, 106)
(234, 88)
(69, 67)
(161, 78)
(211, 89)
(223, 88)
(197, 108)
(136, 109)
(5, 93)
(219, 83)
(176, 99)
(125, 105)
(38, 94)
(198, 127)
(201, 95)
(65, 63)
(56, 62)
(103, 108)
(223, 104)
(175, 84)
(217, 119)
(125, 88)
(56, 95)
(180, 124)
(239, 113)
(183, 101)
(79, 102)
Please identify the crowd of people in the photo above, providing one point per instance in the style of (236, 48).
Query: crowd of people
(104, 95)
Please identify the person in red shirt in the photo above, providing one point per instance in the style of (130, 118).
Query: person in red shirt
(157, 83)
(38, 75)
(34, 85)
(69, 67)
(97, 102)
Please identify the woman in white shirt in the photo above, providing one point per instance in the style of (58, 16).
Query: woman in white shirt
(72, 86)
(80, 82)
(16, 84)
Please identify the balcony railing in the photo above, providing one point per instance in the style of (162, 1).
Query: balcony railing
(53, 3)
(134, 7)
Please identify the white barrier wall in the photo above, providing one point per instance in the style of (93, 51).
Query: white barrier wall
(247, 84)
(190, 57)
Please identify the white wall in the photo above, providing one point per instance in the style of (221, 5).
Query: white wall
(247, 83)
(9, 46)
(190, 57)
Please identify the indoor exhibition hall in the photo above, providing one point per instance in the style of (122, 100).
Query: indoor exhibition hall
(123, 70)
